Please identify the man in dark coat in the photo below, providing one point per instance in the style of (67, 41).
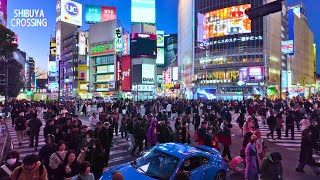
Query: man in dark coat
(271, 121)
(35, 125)
(138, 134)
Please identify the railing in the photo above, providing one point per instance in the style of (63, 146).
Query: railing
(5, 143)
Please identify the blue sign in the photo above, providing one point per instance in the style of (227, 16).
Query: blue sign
(92, 14)
(72, 8)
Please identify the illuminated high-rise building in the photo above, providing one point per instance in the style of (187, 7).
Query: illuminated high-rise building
(301, 60)
(222, 53)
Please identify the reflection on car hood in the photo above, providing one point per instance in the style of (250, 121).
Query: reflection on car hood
(127, 171)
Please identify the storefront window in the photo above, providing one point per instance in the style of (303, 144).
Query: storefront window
(104, 59)
(105, 78)
(105, 69)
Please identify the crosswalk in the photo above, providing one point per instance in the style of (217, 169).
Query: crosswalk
(119, 153)
(286, 142)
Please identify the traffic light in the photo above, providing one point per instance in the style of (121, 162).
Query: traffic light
(264, 10)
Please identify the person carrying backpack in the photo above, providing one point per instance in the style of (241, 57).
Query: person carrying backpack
(31, 168)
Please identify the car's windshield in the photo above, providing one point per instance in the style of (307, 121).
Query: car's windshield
(157, 164)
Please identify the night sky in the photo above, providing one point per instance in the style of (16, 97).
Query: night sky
(35, 41)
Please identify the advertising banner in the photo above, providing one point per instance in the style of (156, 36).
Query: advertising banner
(143, 47)
(287, 47)
(169, 77)
(148, 7)
(3, 12)
(108, 13)
(53, 47)
(126, 75)
(58, 41)
(96, 14)
(118, 70)
(227, 21)
(118, 40)
(92, 14)
(52, 66)
(160, 56)
(82, 43)
(145, 36)
(102, 49)
(255, 73)
(243, 76)
(148, 74)
(126, 44)
(175, 73)
(82, 70)
(160, 38)
(71, 12)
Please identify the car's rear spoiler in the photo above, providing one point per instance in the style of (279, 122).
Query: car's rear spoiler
(208, 149)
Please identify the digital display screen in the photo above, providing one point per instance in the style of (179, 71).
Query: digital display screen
(148, 7)
(227, 21)
(143, 47)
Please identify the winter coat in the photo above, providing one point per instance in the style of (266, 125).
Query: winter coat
(272, 122)
(4, 175)
(45, 153)
(35, 125)
(252, 166)
(152, 133)
(28, 175)
(247, 126)
(305, 123)
(20, 123)
(271, 168)
(225, 137)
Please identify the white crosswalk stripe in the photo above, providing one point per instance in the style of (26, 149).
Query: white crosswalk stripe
(286, 142)
(118, 154)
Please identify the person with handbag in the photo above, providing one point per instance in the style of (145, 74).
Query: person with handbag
(34, 124)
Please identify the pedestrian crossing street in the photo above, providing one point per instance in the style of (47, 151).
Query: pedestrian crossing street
(286, 142)
(119, 153)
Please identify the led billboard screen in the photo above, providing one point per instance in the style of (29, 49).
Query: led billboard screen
(287, 47)
(82, 47)
(160, 56)
(148, 7)
(160, 38)
(227, 21)
(143, 47)
(96, 14)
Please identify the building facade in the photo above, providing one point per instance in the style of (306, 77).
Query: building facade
(231, 56)
(301, 67)
(102, 64)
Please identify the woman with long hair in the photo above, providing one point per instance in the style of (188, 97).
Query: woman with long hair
(69, 168)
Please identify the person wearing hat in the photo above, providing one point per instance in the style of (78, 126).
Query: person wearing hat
(251, 158)
(31, 168)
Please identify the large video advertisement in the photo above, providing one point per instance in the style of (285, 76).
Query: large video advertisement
(225, 25)
(226, 21)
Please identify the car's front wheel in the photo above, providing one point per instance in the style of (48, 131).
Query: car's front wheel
(221, 175)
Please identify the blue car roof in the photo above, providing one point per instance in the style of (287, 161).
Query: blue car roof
(179, 150)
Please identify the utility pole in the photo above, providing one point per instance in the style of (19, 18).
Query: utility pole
(7, 79)
(59, 88)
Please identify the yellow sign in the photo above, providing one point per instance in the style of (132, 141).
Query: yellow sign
(82, 81)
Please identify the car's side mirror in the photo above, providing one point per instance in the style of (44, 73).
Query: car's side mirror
(142, 153)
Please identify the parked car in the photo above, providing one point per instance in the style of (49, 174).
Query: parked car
(165, 160)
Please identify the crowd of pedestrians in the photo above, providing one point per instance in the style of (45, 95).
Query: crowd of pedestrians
(76, 150)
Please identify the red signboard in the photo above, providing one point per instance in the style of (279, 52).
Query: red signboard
(126, 73)
(108, 13)
(142, 35)
(118, 70)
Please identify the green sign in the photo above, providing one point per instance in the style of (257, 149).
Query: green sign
(102, 49)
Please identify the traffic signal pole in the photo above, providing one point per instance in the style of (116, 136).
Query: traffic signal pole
(7, 79)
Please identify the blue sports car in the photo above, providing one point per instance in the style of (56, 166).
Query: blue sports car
(165, 160)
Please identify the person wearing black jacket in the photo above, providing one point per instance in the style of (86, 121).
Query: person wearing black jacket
(35, 125)
(20, 127)
(47, 150)
(290, 124)
(306, 153)
(49, 129)
(102, 135)
(272, 122)
(138, 134)
(196, 121)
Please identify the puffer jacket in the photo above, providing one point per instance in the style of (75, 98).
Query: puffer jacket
(28, 175)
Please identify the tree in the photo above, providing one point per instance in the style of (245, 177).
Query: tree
(6, 39)
(15, 78)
